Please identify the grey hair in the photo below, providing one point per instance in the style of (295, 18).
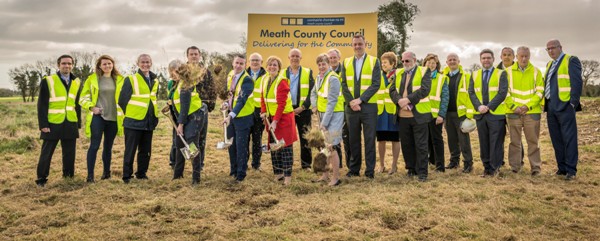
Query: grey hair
(174, 64)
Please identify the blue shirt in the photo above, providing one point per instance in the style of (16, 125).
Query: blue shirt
(294, 84)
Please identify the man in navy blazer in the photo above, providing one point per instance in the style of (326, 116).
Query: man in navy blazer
(241, 117)
(563, 86)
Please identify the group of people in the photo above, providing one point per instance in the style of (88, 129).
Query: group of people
(407, 106)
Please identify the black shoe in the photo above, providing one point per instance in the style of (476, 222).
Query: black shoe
(440, 169)
(144, 177)
(422, 178)
(126, 180)
(515, 171)
(90, 180)
(411, 173)
(560, 173)
(487, 173)
(467, 169)
(569, 177)
(105, 176)
(337, 183)
(195, 182)
(370, 176)
(350, 174)
(535, 173)
(40, 183)
(452, 166)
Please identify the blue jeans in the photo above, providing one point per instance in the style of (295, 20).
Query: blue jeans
(99, 127)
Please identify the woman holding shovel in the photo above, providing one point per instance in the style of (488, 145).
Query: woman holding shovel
(187, 104)
(330, 107)
(276, 109)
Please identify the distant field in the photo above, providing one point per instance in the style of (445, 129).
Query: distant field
(11, 99)
(451, 206)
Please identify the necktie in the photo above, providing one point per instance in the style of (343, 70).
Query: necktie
(406, 81)
(231, 90)
(550, 73)
(485, 91)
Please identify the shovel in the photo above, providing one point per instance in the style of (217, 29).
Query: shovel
(188, 151)
(222, 145)
(278, 144)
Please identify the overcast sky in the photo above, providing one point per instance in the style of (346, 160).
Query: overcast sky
(33, 30)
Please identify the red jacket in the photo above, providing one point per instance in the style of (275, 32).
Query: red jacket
(286, 123)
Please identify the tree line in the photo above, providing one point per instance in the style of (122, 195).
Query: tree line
(394, 26)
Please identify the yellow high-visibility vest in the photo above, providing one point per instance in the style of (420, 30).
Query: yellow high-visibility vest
(141, 98)
(61, 104)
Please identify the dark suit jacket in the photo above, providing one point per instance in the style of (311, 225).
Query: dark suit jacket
(495, 102)
(414, 96)
(555, 104)
(66, 130)
(311, 83)
(375, 82)
(245, 93)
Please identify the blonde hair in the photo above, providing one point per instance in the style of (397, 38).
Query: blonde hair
(278, 60)
(391, 57)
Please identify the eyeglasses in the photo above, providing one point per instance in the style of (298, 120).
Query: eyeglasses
(255, 60)
(552, 48)
(406, 61)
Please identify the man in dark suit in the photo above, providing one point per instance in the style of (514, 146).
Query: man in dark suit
(241, 116)
(413, 113)
(334, 61)
(487, 91)
(58, 118)
(361, 80)
(562, 91)
(301, 82)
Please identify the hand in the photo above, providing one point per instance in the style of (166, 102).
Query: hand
(518, 111)
(403, 102)
(355, 107)
(524, 110)
(263, 115)
(227, 120)
(314, 110)
(356, 101)
(180, 129)
(96, 110)
(439, 120)
(45, 130)
(298, 110)
(483, 109)
(225, 105)
(273, 126)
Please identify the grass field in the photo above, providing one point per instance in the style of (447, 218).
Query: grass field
(450, 206)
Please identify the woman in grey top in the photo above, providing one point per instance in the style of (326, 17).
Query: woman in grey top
(327, 99)
(99, 96)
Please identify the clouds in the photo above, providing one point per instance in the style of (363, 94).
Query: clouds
(33, 30)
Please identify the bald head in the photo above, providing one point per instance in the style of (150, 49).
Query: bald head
(554, 48)
(295, 56)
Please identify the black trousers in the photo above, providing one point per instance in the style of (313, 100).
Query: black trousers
(491, 142)
(68, 158)
(256, 132)
(140, 141)
(436, 145)
(458, 142)
(202, 146)
(413, 141)
(346, 140)
(365, 121)
(191, 133)
(303, 121)
(562, 126)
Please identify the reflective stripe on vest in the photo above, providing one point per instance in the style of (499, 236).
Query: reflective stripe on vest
(270, 96)
(257, 92)
(366, 76)
(435, 94)
(141, 97)
(61, 103)
(385, 101)
(563, 78)
(304, 82)
(195, 101)
(423, 106)
(525, 89)
(89, 97)
(323, 93)
(493, 85)
(248, 108)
